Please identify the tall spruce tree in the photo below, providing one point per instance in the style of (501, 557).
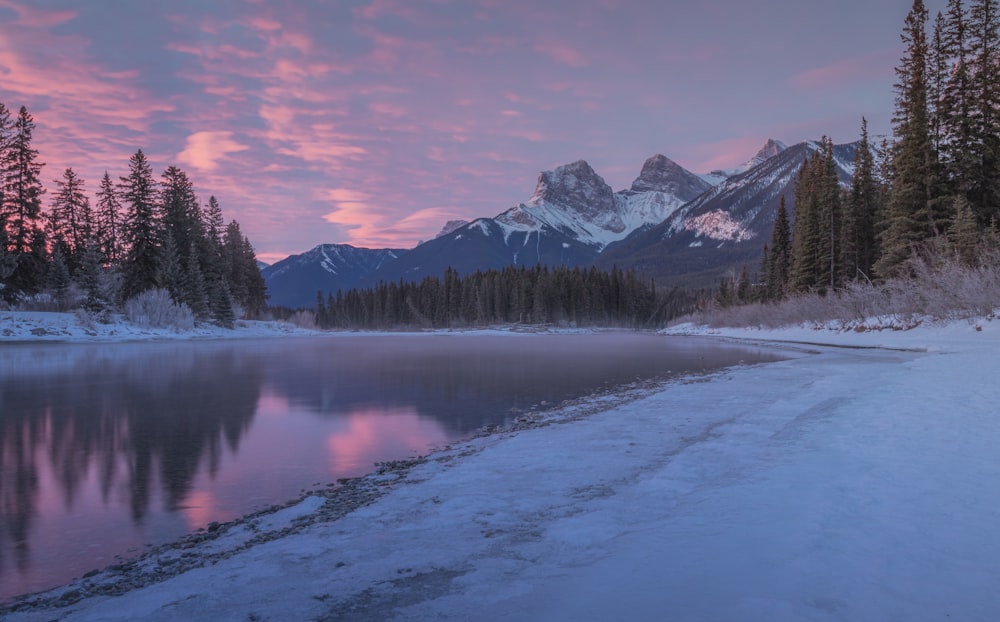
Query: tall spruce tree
(20, 177)
(858, 250)
(956, 150)
(909, 217)
(108, 229)
(984, 51)
(71, 220)
(779, 255)
(142, 257)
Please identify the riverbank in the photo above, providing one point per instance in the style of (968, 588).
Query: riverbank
(42, 326)
(851, 484)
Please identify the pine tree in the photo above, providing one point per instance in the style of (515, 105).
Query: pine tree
(20, 174)
(954, 111)
(807, 233)
(909, 219)
(90, 278)
(71, 220)
(108, 221)
(829, 212)
(180, 213)
(6, 136)
(138, 192)
(964, 233)
(938, 64)
(984, 50)
(193, 290)
(169, 272)
(858, 246)
(779, 258)
(58, 277)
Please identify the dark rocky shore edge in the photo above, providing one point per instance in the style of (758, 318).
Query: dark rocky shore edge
(207, 546)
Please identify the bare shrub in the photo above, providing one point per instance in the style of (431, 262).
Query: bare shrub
(155, 309)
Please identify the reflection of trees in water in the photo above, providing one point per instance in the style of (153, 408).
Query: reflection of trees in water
(132, 417)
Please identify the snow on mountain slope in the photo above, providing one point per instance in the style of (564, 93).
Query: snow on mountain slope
(770, 149)
(576, 201)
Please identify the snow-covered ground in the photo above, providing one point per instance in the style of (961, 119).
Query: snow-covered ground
(60, 327)
(845, 484)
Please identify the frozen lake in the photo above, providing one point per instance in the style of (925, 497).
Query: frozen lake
(107, 448)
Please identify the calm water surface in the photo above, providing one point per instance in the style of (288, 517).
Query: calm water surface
(107, 448)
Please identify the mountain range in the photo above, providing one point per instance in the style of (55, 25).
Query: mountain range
(670, 224)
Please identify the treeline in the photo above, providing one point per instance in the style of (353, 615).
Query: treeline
(139, 235)
(937, 184)
(514, 295)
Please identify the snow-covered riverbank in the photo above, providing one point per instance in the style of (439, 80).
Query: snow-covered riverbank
(38, 326)
(851, 484)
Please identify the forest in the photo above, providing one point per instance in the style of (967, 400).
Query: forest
(139, 237)
(934, 188)
(515, 295)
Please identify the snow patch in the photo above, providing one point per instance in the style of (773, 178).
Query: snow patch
(717, 225)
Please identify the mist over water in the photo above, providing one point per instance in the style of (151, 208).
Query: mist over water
(107, 448)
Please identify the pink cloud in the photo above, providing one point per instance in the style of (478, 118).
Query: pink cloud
(849, 71)
(32, 17)
(204, 150)
(562, 53)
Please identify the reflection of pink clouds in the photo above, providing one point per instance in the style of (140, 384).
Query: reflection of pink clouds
(200, 507)
(273, 405)
(370, 434)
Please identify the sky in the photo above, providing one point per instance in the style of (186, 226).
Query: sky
(373, 122)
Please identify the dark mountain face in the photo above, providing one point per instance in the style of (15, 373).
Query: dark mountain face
(661, 174)
(294, 281)
(724, 228)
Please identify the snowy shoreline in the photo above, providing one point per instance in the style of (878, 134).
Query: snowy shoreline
(854, 484)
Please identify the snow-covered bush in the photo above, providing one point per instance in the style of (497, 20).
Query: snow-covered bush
(155, 309)
(303, 319)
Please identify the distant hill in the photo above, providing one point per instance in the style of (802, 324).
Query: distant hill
(294, 281)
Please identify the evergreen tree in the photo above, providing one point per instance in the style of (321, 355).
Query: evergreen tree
(108, 221)
(909, 218)
(246, 285)
(779, 258)
(858, 250)
(169, 272)
(938, 64)
(8, 261)
(58, 277)
(20, 174)
(807, 235)
(71, 220)
(964, 232)
(955, 113)
(90, 277)
(829, 212)
(138, 192)
(180, 213)
(6, 137)
(984, 50)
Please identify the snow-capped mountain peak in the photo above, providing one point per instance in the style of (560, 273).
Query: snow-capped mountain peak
(770, 149)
